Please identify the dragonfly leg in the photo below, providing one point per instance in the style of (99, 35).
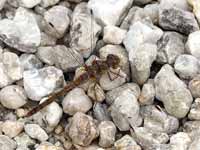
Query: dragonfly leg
(117, 74)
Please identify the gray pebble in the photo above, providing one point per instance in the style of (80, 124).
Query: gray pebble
(194, 86)
(47, 3)
(100, 112)
(172, 92)
(29, 3)
(195, 144)
(95, 92)
(36, 132)
(13, 97)
(23, 140)
(7, 143)
(181, 4)
(47, 40)
(194, 113)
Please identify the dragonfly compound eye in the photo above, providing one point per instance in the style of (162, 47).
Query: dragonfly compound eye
(113, 61)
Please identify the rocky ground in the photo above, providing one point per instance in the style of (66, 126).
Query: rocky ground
(153, 105)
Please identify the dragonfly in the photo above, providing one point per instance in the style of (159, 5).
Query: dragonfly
(91, 72)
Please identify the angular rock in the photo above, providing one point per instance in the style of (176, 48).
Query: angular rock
(187, 66)
(82, 129)
(23, 140)
(84, 31)
(113, 35)
(2, 4)
(194, 113)
(113, 10)
(42, 82)
(193, 45)
(47, 40)
(58, 20)
(170, 46)
(29, 3)
(181, 4)
(152, 10)
(113, 94)
(36, 132)
(30, 61)
(47, 3)
(172, 92)
(148, 93)
(178, 20)
(126, 143)
(7, 143)
(157, 120)
(100, 112)
(107, 131)
(196, 8)
(141, 61)
(48, 146)
(125, 111)
(12, 128)
(95, 92)
(195, 144)
(76, 101)
(194, 86)
(13, 97)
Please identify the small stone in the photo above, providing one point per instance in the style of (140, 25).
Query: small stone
(7, 143)
(114, 93)
(13, 97)
(113, 10)
(112, 79)
(195, 144)
(95, 92)
(47, 3)
(48, 146)
(29, 3)
(140, 65)
(180, 140)
(170, 46)
(194, 113)
(148, 93)
(12, 128)
(187, 66)
(107, 131)
(30, 61)
(82, 129)
(157, 120)
(125, 111)
(10, 69)
(58, 129)
(194, 86)
(84, 31)
(181, 4)
(152, 10)
(23, 140)
(90, 147)
(45, 54)
(126, 143)
(113, 35)
(36, 132)
(146, 138)
(177, 20)
(178, 102)
(193, 45)
(2, 4)
(42, 82)
(21, 112)
(58, 19)
(47, 40)
(196, 8)
(100, 112)
(76, 101)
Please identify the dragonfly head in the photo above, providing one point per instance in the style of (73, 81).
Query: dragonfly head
(113, 61)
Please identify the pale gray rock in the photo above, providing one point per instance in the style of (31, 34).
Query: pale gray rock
(125, 111)
(49, 146)
(113, 34)
(2, 2)
(100, 112)
(30, 61)
(45, 54)
(10, 69)
(42, 82)
(141, 33)
(114, 93)
(84, 30)
(187, 66)
(147, 138)
(107, 131)
(141, 60)
(194, 113)
(126, 143)
(175, 19)
(181, 4)
(47, 3)
(23, 140)
(13, 97)
(47, 40)
(115, 78)
(193, 45)
(118, 51)
(95, 92)
(36, 132)
(157, 120)
(82, 129)
(113, 10)
(12, 128)
(170, 46)
(152, 10)
(29, 3)
(147, 93)
(76, 101)
(195, 144)
(180, 141)
(58, 19)
(172, 92)
(194, 86)
(7, 143)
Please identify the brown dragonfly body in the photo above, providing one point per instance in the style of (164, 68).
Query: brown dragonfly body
(93, 71)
